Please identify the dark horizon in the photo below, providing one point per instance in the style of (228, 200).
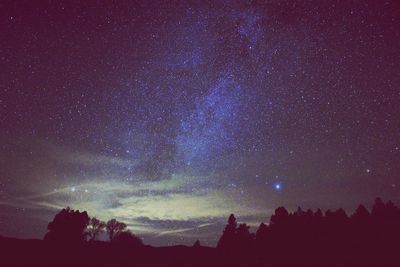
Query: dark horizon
(252, 228)
(169, 116)
(302, 238)
(385, 211)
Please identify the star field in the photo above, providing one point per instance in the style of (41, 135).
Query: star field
(170, 115)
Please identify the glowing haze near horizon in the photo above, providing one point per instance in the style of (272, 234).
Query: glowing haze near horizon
(170, 116)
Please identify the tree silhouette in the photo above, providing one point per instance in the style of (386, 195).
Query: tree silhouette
(318, 213)
(244, 238)
(281, 215)
(228, 236)
(378, 209)
(262, 235)
(114, 227)
(196, 244)
(95, 227)
(68, 226)
(361, 214)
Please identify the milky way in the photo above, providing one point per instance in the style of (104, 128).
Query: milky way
(169, 116)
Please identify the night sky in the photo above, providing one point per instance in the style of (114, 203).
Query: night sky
(171, 115)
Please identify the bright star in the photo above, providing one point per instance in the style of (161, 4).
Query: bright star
(277, 186)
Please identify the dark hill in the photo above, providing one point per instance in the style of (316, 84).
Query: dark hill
(19, 252)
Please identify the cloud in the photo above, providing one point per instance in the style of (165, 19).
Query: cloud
(181, 204)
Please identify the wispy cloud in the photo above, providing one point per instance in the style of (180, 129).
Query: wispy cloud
(180, 204)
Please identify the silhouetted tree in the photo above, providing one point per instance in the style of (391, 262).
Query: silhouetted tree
(262, 233)
(244, 238)
(318, 213)
(196, 244)
(299, 211)
(114, 227)
(281, 215)
(361, 214)
(378, 209)
(95, 227)
(228, 236)
(68, 226)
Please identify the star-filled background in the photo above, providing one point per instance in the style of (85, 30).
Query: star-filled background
(171, 115)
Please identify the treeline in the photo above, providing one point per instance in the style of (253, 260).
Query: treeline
(70, 226)
(308, 238)
(301, 238)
